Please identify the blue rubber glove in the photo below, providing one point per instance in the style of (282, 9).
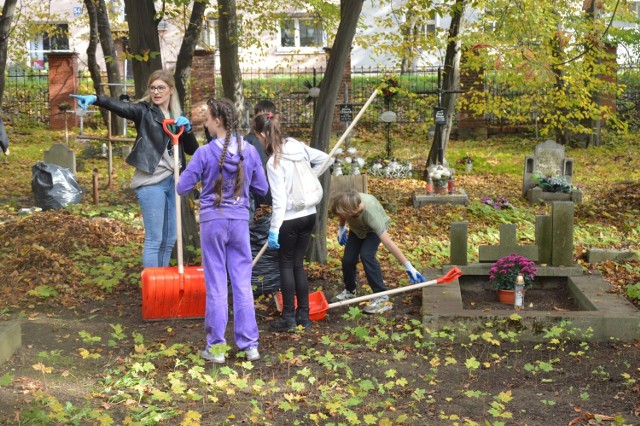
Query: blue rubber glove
(342, 235)
(183, 121)
(415, 277)
(272, 240)
(85, 100)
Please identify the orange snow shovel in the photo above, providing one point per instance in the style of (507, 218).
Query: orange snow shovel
(173, 292)
(318, 304)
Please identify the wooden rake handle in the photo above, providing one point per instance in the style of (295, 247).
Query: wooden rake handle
(331, 154)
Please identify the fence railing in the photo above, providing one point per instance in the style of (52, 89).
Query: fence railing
(27, 95)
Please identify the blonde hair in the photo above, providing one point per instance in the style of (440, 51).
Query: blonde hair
(346, 203)
(169, 80)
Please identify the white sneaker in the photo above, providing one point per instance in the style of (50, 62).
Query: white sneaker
(252, 354)
(345, 295)
(378, 305)
(216, 359)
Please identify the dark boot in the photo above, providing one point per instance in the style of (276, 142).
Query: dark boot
(286, 323)
(302, 318)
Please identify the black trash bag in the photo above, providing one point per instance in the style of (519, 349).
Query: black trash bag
(53, 186)
(265, 278)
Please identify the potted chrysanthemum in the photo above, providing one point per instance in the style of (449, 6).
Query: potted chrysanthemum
(439, 175)
(504, 272)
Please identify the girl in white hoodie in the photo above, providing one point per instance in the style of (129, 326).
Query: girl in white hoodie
(290, 229)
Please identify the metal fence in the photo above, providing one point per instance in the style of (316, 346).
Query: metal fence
(289, 89)
(26, 95)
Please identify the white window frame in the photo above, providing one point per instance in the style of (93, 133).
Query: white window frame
(210, 35)
(37, 51)
(297, 47)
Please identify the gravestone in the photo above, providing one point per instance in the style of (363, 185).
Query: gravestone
(548, 160)
(125, 151)
(342, 183)
(459, 235)
(60, 155)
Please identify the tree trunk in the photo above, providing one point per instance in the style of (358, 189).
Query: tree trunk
(323, 115)
(450, 81)
(110, 56)
(8, 11)
(187, 48)
(229, 60)
(190, 231)
(92, 62)
(144, 44)
(560, 84)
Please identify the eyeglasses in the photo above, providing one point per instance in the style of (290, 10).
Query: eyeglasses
(158, 89)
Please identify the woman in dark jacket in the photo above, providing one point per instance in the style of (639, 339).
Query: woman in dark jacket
(152, 156)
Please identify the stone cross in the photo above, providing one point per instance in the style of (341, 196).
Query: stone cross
(508, 244)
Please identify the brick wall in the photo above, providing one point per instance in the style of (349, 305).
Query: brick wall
(469, 124)
(609, 99)
(345, 82)
(203, 85)
(63, 81)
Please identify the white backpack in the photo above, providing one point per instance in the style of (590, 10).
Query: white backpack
(306, 190)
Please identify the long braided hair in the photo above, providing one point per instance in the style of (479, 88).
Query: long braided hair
(225, 111)
(268, 124)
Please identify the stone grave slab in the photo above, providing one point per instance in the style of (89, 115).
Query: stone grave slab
(595, 255)
(60, 154)
(458, 198)
(548, 160)
(10, 339)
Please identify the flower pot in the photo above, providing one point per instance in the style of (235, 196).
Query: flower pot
(440, 186)
(507, 297)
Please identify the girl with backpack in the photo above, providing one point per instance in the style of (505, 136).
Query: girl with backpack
(229, 168)
(291, 227)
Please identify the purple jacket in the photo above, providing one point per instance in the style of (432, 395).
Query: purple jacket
(204, 167)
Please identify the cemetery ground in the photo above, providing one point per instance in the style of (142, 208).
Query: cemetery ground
(72, 278)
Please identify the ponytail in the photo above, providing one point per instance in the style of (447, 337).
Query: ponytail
(269, 125)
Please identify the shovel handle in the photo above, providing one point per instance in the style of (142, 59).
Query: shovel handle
(175, 140)
(175, 137)
(453, 274)
(259, 255)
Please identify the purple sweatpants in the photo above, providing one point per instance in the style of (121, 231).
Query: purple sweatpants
(226, 247)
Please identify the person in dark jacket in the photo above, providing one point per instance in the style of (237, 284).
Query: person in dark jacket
(152, 156)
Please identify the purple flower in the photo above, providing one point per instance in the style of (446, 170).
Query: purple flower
(504, 271)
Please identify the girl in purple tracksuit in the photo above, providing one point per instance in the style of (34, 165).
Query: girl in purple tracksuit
(228, 169)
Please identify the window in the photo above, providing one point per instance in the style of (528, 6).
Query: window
(209, 34)
(55, 39)
(301, 32)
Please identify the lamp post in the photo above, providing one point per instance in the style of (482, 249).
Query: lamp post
(314, 92)
(388, 117)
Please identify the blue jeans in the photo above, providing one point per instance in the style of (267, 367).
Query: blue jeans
(366, 249)
(158, 205)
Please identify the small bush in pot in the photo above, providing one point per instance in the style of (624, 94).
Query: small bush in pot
(503, 273)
